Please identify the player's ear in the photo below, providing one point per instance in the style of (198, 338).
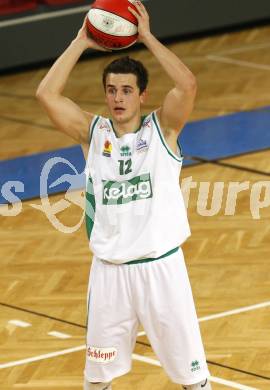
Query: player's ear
(105, 96)
(143, 96)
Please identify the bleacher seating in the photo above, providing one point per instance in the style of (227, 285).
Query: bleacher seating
(61, 2)
(14, 6)
(9, 7)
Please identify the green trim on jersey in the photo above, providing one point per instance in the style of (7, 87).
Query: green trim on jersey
(91, 130)
(136, 131)
(90, 207)
(180, 148)
(153, 258)
(179, 159)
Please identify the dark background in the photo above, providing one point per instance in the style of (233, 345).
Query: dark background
(36, 41)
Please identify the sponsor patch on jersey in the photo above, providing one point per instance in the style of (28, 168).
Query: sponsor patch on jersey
(107, 149)
(125, 151)
(121, 192)
(104, 125)
(146, 122)
(141, 145)
(101, 355)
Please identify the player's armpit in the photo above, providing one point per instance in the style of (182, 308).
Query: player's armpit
(85, 149)
(67, 116)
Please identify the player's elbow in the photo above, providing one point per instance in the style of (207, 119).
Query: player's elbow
(42, 94)
(187, 87)
(190, 86)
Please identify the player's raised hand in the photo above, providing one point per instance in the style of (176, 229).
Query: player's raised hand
(84, 36)
(143, 20)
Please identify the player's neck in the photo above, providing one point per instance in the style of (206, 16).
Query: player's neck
(131, 126)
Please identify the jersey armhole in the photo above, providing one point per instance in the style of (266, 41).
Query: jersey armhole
(179, 157)
(91, 128)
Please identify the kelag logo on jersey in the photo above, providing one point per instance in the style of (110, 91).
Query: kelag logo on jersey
(120, 192)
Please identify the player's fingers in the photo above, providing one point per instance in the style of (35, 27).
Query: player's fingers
(140, 5)
(85, 20)
(134, 12)
(137, 5)
(141, 10)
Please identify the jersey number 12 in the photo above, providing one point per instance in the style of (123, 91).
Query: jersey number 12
(125, 166)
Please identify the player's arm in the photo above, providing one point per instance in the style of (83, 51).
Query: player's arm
(179, 101)
(66, 115)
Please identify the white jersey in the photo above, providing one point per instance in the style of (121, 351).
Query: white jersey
(134, 205)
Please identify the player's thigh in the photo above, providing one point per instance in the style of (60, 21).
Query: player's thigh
(170, 321)
(112, 322)
(110, 302)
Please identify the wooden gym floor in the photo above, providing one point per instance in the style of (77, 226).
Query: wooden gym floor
(44, 272)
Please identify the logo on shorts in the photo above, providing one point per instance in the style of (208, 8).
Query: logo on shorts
(195, 365)
(101, 355)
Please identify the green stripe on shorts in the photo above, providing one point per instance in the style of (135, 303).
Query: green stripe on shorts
(153, 258)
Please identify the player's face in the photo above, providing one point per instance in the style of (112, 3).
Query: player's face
(123, 96)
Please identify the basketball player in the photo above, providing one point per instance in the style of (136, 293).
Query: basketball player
(135, 214)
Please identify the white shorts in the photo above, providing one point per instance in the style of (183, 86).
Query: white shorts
(156, 294)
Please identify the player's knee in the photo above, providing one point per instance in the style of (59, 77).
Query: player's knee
(203, 385)
(97, 386)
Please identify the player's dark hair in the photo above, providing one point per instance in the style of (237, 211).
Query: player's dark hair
(128, 65)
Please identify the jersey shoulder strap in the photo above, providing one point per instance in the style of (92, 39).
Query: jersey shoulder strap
(178, 157)
(91, 127)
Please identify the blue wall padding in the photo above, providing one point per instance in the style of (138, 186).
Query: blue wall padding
(228, 135)
(28, 169)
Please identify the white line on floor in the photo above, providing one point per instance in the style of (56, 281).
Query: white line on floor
(228, 313)
(60, 335)
(218, 356)
(137, 357)
(243, 49)
(235, 311)
(134, 356)
(19, 323)
(215, 379)
(42, 357)
(228, 60)
(231, 384)
(142, 333)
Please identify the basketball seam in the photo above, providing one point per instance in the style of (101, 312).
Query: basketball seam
(105, 10)
(112, 35)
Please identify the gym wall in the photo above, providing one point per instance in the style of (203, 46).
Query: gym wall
(42, 35)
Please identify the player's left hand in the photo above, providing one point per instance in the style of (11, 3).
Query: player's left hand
(143, 20)
(84, 36)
